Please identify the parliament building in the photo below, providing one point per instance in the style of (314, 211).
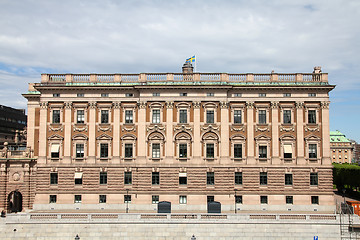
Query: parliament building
(124, 142)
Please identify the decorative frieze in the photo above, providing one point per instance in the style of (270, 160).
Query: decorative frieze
(325, 105)
(104, 128)
(249, 104)
(80, 129)
(238, 128)
(56, 129)
(92, 105)
(224, 105)
(128, 128)
(262, 129)
(299, 104)
(274, 104)
(182, 128)
(142, 105)
(169, 105)
(196, 104)
(155, 128)
(117, 105)
(68, 105)
(312, 129)
(287, 128)
(44, 105)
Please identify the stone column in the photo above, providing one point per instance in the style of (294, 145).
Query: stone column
(42, 133)
(67, 132)
(224, 138)
(325, 134)
(275, 158)
(250, 133)
(92, 132)
(300, 132)
(141, 144)
(169, 145)
(197, 137)
(116, 133)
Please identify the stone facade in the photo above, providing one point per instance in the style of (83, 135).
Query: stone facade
(342, 149)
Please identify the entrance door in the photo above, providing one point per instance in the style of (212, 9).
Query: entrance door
(15, 202)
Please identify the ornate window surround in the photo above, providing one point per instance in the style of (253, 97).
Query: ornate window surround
(287, 139)
(156, 106)
(79, 106)
(262, 106)
(210, 137)
(234, 107)
(210, 106)
(104, 106)
(126, 107)
(183, 106)
(262, 140)
(312, 139)
(79, 139)
(155, 137)
(238, 139)
(312, 106)
(183, 138)
(128, 139)
(104, 138)
(55, 139)
(287, 107)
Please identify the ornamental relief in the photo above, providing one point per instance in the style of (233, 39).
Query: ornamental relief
(104, 128)
(131, 128)
(182, 127)
(287, 128)
(312, 129)
(262, 129)
(237, 128)
(80, 129)
(157, 128)
(56, 129)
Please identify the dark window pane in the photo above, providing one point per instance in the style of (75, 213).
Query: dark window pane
(238, 178)
(182, 180)
(128, 178)
(128, 116)
(104, 150)
(311, 116)
(54, 178)
(104, 116)
(263, 178)
(237, 116)
(289, 200)
(209, 150)
(155, 178)
(102, 198)
(182, 150)
(313, 179)
(210, 116)
(103, 178)
(312, 151)
(183, 116)
(288, 179)
(262, 116)
(56, 116)
(210, 199)
(287, 116)
(237, 150)
(314, 200)
(238, 199)
(262, 151)
(128, 150)
(263, 199)
(210, 178)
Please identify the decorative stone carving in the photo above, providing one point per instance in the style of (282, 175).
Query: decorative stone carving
(262, 129)
(128, 128)
(238, 129)
(196, 104)
(325, 105)
(312, 129)
(182, 128)
(92, 105)
(299, 104)
(68, 105)
(56, 129)
(155, 128)
(16, 176)
(80, 129)
(142, 105)
(44, 105)
(249, 104)
(287, 128)
(170, 105)
(117, 105)
(224, 104)
(210, 128)
(104, 128)
(274, 104)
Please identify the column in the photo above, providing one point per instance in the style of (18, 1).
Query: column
(92, 132)
(250, 133)
(42, 133)
(197, 137)
(300, 132)
(224, 138)
(30, 138)
(141, 144)
(275, 158)
(67, 132)
(169, 145)
(325, 128)
(116, 133)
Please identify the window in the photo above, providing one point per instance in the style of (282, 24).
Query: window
(263, 178)
(56, 95)
(156, 150)
(288, 179)
(312, 116)
(263, 199)
(312, 94)
(56, 116)
(237, 116)
(209, 150)
(313, 179)
(127, 198)
(314, 199)
(129, 95)
(289, 200)
(287, 116)
(210, 94)
(155, 198)
(102, 198)
(262, 94)
(77, 198)
(210, 199)
(53, 178)
(104, 116)
(80, 95)
(78, 178)
(237, 150)
(183, 94)
(80, 116)
(182, 199)
(55, 150)
(182, 150)
(210, 178)
(210, 116)
(238, 199)
(183, 116)
(128, 150)
(287, 94)
(287, 151)
(262, 151)
(262, 116)
(104, 95)
(155, 178)
(128, 178)
(156, 94)
(237, 94)
(80, 150)
(312, 151)
(103, 178)
(156, 116)
(128, 116)
(238, 178)
(52, 199)
(182, 179)
(104, 150)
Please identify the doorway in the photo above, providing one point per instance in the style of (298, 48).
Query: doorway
(15, 202)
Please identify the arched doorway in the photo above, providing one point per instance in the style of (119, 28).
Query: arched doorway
(15, 202)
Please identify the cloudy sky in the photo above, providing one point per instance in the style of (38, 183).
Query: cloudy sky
(236, 36)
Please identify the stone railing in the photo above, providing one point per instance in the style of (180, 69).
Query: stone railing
(176, 78)
(5, 153)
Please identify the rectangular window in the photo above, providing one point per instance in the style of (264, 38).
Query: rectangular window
(127, 198)
(182, 199)
(262, 94)
(287, 94)
(287, 151)
(52, 199)
(237, 150)
(237, 116)
(102, 198)
(156, 150)
(77, 198)
(210, 199)
(103, 178)
(210, 94)
(210, 116)
(104, 116)
(210, 178)
(80, 116)
(56, 95)
(129, 95)
(312, 151)
(314, 200)
(80, 95)
(210, 150)
(262, 151)
(288, 179)
(311, 116)
(183, 94)
(287, 116)
(128, 178)
(55, 151)
(238, 199)
(262, 116)
(289, 200)
(155, 178)
(53, 178)
(56, 116)
(128, 150)
(313, 179)
(263, 199)
(183, 116)
(79, 150)
(312, 94)
(78, 178)
(182, 150)
(156, 94)
(263, 178)
(237, 94)
(104, 95)
(156, 116)
(238, 178)
(155, 199)
(128, 116)
(182, 180)
(104, 150)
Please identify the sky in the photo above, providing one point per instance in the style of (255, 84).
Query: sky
(234, 36)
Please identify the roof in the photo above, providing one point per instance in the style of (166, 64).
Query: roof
(337, 136)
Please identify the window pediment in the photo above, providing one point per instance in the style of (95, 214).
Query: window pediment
(262, 137)
(287, 137)
(156, 136)
(312, 137)
(238, 137)
(56, 137)
(156, 105)
(209, 105)
(80, 137)
(128, 137)
(210, 136)
(104, 137)
(183, 105)
(183, 136)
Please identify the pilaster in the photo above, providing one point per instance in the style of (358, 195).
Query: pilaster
(92, 132)
(300, 132)
(116, 133)
(197, 137)
(250, 133)
(42, 133)
(169, 145)
(325, 128)
(224, 139)
(275, 158)
(67, 132)
(142, 131)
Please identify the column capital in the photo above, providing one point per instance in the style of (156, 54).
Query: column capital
(224, 104)
(196, 104)
(68, 105)
(299, 104)
(249, 104)
(169, 105)
(92, 105)
(142, 105)
(325, 105)
(116, 105)
(44, 105)
(274, 105)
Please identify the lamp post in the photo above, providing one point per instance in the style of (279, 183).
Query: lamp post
(235, 200)
(127, 200)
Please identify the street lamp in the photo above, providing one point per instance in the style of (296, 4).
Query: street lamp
(127, 200)
(77, 237)
(235, 200)
(193, 237)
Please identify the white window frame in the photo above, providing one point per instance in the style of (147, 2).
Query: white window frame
(210, 107)
(266, 109)
(60, 114)
(128, 139)
(307, 108)
(292, 114)
(238, 139)
(101, 140)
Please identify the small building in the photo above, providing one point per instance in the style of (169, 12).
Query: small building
(12, 127)
(341, 148)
